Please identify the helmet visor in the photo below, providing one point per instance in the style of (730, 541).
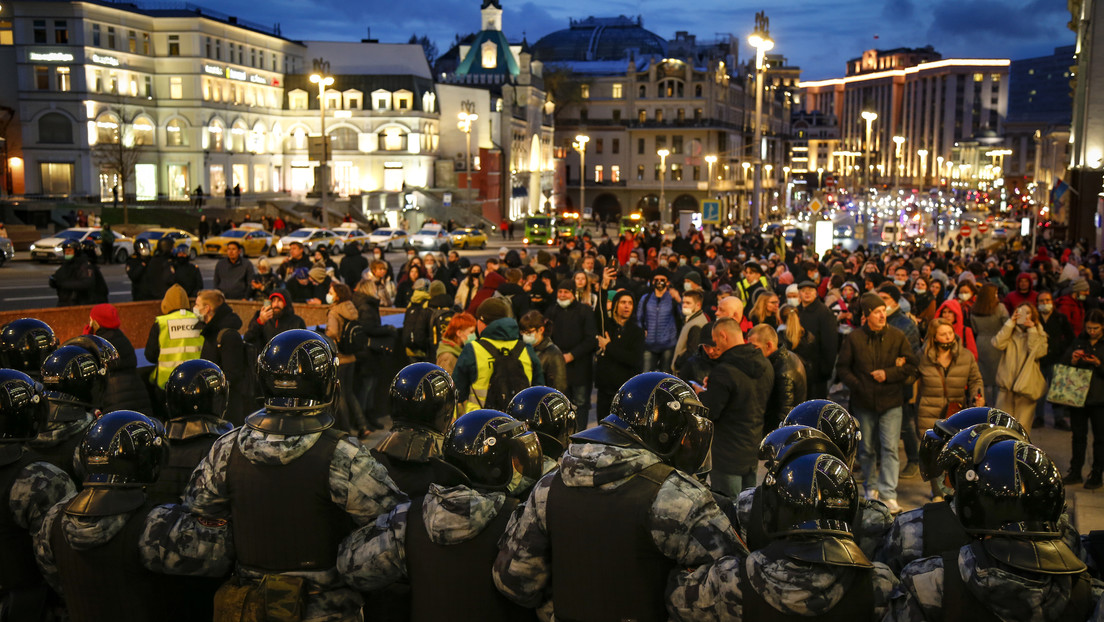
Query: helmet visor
(693, 448)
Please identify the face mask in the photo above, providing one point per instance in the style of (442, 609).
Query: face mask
(741, 257)
(69, 256)
(687, 285)
(1045, 309)
(564, 303)
(431, 266)
(899, 283)
(329, 299)
(1081, 296)
(660, 285)
(530, 338)
(964, 296)
(672, 265)
(945, 346)
(793, 302)
(198, 311)
(633, 260)
(470, 338)
(464, 270)
(681, 262)
(920, 290)
(688, 311)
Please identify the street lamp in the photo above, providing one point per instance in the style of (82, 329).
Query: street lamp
(663, 215)
(580, 144)
(820, 174)
(898, 141)
(923, 153)
(761, 41)
(710, 160)
(322, 80)
(786, 180)
(869, 116)
(467, 117)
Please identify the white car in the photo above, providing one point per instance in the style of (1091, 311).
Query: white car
(49, 248)
(389, 239)
(431, 238)
(312, 240)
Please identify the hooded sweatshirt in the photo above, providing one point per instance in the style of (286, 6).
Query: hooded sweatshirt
(623, 357)
(258, 335)
(965, 333)
(488, 289)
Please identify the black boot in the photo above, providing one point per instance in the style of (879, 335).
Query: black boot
(1073, 477)
(1095, 481)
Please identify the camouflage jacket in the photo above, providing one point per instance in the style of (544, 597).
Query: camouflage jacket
(374, 556)
(1012, 596)
(37, 488)
(870, 534)
(904, 542)
(685, 523)
(714, 591)
(359, 485)
(56, 432)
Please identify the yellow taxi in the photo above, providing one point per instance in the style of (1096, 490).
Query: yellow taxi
(150, 237)
(254, 242)
(468, 237)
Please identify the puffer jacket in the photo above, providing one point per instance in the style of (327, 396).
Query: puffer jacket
(553, 364)
(340, 313)
(658, 318)
(963, 381)
(864, 351)
(125, 389)
(739, 387)
(1019, 371)
(789, 387)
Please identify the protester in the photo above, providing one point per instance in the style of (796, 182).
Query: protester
(234, 273)
(1087, 351)
(574, 332)
(790, 385)
(1020, 381)
(1060, 335)
(222, 345)
(274, 317)
(537, 331)
(460, 332)
(658, 312)
(988, 316)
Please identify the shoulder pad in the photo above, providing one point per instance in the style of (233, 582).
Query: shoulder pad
(411, 444)
(185, 428)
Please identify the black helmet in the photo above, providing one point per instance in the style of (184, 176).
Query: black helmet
(494, 451)
(423, 394)
(966, 449)
(810, 493)
(25, 344)
(73, 374)
(22, 406)
(936, 438)
(832, 419)
(656, 411)
(73, 245)
(196, 387)
(793, 440)
(123, 448)
(298, 375)
(103, 349)
(548, 413)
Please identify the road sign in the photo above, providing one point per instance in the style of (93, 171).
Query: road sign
(711, 212)
(983, 228)
(447, 199)
(829, 181)
(815, 206)
(965, 231)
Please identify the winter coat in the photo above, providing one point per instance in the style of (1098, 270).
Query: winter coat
(187, 275)
(1019, 370)
(658, 317)
(158, 276)
(466, 291)
(789, 387)
(227, 350)
(987, 327)
(963, 382)
(553, 365)
(1095, 396)
(818, 321)
(448, 352)
(623, 357)
(690, 337)
(864, 351)
(488, 289)
(739, 388)
(902, 322)
(1073, 309)
(964, 333)
(75, 281)
(574, 332)
(1059, 337)
(233, 278)
(467, 365)
(125, 389)
(518, 297)
(339, 313)
(353, 264)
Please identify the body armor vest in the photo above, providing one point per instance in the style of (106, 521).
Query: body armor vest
(184, 457)
(942, 530)
(411, 477)
(857, 603)
(17, 563)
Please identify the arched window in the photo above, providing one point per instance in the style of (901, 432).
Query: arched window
(215, 135)
(237, 136)
(107, 129)
(344, 139)
(297, 141)
(392, 139)
(256, 140)
(55, 129)
(141, 132)
(175, 135)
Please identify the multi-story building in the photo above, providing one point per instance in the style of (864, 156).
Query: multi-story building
(935, 118)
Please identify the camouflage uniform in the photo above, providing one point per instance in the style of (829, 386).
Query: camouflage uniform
(685, 523)
(714, 591)
(870, 533)
(374, 556)
(55, 433)
(1011, 596)
(358, 485)
(37, 488)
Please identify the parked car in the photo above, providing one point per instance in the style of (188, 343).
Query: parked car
(312, 239)
(468, 237)
(431, 238)
(49, 248)
(180, 237)
(389, 239)
(352, 234)
(7, 251)
(254, 242)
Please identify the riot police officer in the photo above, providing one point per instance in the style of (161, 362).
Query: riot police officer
(195, 400)
(274, 466)
(1015, 566)
(75, 279)
(75, 380)
(810, 565)
(622, 493)
(24, 345)
(89, 546)
(29, 487)
(443, 543)
(551, 415)
(423, 400)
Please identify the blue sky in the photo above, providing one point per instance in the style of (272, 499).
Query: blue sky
(817, 35)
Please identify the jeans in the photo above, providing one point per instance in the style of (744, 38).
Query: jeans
(658, 361)
(881, 432)
(909, 434)
(730, 484)
(604, 403)
(579, 394)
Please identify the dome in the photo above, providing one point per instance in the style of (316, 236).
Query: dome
(600, 38)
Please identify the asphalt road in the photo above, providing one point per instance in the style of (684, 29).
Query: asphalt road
(23, 283)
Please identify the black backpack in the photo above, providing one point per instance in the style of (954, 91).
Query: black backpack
(438, 322)
(354, 338)
(507, 375)
(416, 330)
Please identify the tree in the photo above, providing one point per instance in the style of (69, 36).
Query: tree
(120, 145)
(565, 88)
(428, 47)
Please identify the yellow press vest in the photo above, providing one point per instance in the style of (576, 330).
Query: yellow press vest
(484, 366)
(180, 341)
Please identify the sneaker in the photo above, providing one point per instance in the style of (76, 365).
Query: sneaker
(872, 494)
(1073, 477)
(1095, 481)
(894, 508)
(910, 471)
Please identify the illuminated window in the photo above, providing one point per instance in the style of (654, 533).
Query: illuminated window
(6, 37)
(142, 131)
(176, 87)
(215, 140)
(174, 134)
(641, 115)
(598, 174)
(145, 43)
(132, 42)
(344, 139)
(64, 83)
(584, 91)
(489, 54)
(107, 129)
(256, 139)
(297, 99)
(42, 78)
(616, 91)
(393, 139)
(615, 173)
(237, 137)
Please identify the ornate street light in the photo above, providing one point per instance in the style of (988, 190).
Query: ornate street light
(580, 145)
(467, 117)
(663, 213)
(761, 41)
(319, 77)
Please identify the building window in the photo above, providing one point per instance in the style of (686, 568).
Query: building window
(99, 81)
(659, 115)
(616, 146)
(149, 87)
(174, 45)
(132, 42)
(584, 115)
(382, 103)
(640, 146)
(261, 64)
(676, 144)
(616, 91)
(61, 32)
(643, 92)
(55, 129)
(40, 31)
(297, 100)
(42, 78)
(111, 37)
(584, 91)
(639, 172)
(641, 116)
(617, 116)
(615, 173)
(393, 139)
(176, 87)
(252, 57)
(143, 131)
(145, 43)
(113, 83)
(207, 48)
(598, 145)
(657, 170)
(697, 114)
(214, 136)
(6, 37)
(107, 130)
(344, 139)
(57, 177)
(697, 173)
(598, 174)
(64, 82)
(681, 114)
(676, 172)
(218, 49)
(489, 55)
(95, 35)
(697, 90)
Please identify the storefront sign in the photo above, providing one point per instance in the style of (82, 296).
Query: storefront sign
(213, 70)
(105, 60)
(51, 57)
(235, 74)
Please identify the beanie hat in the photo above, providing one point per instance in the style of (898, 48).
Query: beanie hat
(106, 315)
(436, 288)
(279, 294)
(317, 273)
(694, 276)
(567, 284)
(493, 308)
(1080, 285)
(791, 289)
(421, 285)
(892, 290)
(871, 301)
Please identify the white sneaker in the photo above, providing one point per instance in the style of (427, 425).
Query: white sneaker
(894, 508)
(872, 494)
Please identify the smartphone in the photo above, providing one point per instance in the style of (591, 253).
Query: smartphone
(267, 303)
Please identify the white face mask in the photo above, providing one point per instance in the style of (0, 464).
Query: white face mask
(564, 303)
(530, 338)
(688, 311)
(1045, 308)
(199, 312)
(899, 283)
(964, 296)
(687, 285)
(793, 302)
(329, 299)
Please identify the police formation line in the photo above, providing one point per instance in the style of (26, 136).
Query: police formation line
(511, 515)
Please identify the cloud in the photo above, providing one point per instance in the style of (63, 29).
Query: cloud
(995, 20)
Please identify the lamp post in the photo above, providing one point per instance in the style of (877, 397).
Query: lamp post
(939, 170)
(580, 144)
(786, 182)
(869, 116)
(898, 141)
(923, 153)
(467, 117)
(663, 212)
(320, 78)
(710, 160)
(761, 41)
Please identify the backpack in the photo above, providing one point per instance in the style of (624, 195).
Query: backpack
(354, 338)
(507, 375)
(416, 330)
(438, 322)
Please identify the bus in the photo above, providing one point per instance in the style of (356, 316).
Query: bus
(568, 225)
(633, 223)
(540, 230)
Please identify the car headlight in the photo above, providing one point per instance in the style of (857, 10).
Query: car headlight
(58, 247)
(32, 246)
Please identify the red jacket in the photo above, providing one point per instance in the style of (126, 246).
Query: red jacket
(1074, 311)
(965, 333)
